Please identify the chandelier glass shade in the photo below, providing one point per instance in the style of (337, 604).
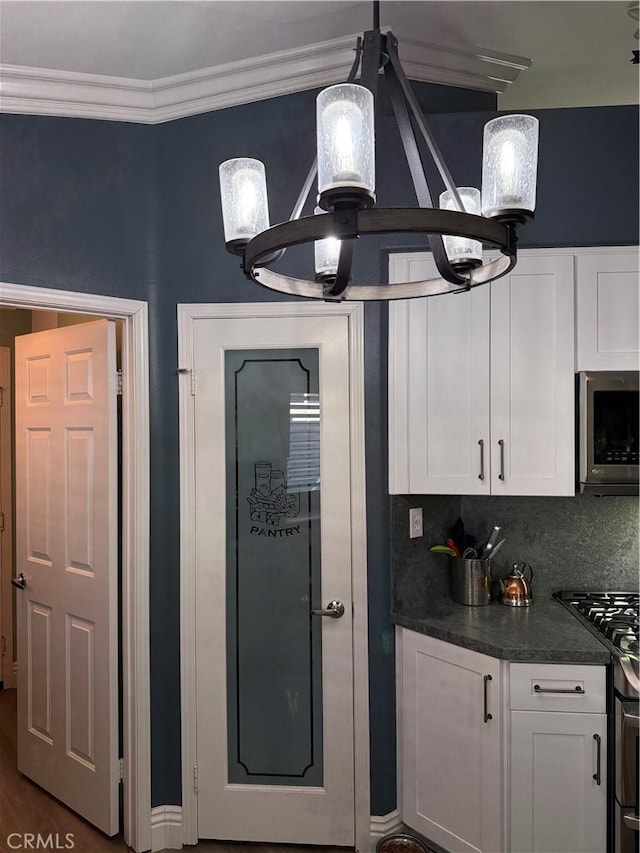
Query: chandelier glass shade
(466, 220)
(461, 251)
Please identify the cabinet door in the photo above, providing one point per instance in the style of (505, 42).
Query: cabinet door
(607, 311)
(450, 749)
(557, 806)
(532, 378)
(438, 388)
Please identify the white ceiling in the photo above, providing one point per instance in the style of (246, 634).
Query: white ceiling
(580, 50)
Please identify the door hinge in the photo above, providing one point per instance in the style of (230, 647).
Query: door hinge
(121, 763)
(119, 383)
(195, 778)
(1, 396)
(3, 646)
(192, 377)
(1, 522)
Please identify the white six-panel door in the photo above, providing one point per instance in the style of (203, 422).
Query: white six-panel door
(66, 538)
(276, 807)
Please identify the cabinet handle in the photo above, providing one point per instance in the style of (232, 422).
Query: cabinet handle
(481, 474)
(576, 689)
(596, 775)
(501, 474)
(487, 715)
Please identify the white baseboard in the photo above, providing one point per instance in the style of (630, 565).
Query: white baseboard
(166, 828)
(382, 825)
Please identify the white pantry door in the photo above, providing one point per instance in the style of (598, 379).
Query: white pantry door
(274, 681)
(67, 538)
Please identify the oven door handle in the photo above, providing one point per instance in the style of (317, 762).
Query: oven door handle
(631, 820)
(630, 719)
(629, 674)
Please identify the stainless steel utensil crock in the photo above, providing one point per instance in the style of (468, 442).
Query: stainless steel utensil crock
(470, 581)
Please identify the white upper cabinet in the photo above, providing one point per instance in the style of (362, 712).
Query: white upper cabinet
(608, 332)
(481, 388)
(439, 389)
(532, 378)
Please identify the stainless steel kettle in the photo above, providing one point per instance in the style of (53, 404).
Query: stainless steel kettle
(515, 588)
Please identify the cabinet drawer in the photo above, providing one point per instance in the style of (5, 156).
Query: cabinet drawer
(552, 687)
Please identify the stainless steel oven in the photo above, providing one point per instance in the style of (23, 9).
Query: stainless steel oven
(626, 818)
(609, 426)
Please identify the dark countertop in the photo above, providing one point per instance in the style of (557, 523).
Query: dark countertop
(543, 632)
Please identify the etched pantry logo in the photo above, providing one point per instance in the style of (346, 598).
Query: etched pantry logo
(270, 505)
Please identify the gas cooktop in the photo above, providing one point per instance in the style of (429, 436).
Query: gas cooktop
(612, 616)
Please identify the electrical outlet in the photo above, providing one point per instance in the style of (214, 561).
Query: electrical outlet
(415, 523)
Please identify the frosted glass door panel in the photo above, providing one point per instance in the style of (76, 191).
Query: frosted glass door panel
(274, 651)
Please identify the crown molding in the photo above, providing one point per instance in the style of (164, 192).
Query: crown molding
(41, 91)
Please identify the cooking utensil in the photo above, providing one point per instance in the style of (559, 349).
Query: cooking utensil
(491, 541)
(515, 588)
(454, 546)
(470, 553)
(469, 541)
(495, 550)
(443, 549)
(457, 534)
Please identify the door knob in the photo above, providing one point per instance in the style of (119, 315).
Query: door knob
(335, 609)
(20, 582)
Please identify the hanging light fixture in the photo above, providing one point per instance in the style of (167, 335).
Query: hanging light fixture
(345, 167)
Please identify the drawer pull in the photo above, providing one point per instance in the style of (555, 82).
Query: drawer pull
(596, 775)
(487, 715)
(576, 689)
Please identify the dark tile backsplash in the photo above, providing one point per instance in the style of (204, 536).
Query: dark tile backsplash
(580, 542)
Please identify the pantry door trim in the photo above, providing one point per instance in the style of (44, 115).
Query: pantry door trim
(135, 533)
(187, 315)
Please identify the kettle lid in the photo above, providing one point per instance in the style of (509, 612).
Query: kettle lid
(518, 571)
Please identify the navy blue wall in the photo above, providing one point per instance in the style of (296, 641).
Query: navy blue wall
(119, 209)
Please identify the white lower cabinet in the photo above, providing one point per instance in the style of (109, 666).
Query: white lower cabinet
(558, 759)
(499, 757)
(557, 805)
(450, 744)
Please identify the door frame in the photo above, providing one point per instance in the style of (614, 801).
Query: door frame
(8, 672)
(188, 315)
(135, 534)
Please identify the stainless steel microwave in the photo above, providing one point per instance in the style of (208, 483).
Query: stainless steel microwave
(609, 425)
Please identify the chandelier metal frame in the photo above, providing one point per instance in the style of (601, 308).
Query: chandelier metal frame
(350, 216)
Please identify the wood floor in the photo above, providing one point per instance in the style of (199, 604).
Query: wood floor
(24, 807)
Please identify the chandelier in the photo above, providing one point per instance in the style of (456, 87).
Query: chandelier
(456, 230)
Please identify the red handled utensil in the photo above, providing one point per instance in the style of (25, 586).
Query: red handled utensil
(453, 547)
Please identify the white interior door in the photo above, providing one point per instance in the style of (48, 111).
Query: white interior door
(66, 534)
(274, 681)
